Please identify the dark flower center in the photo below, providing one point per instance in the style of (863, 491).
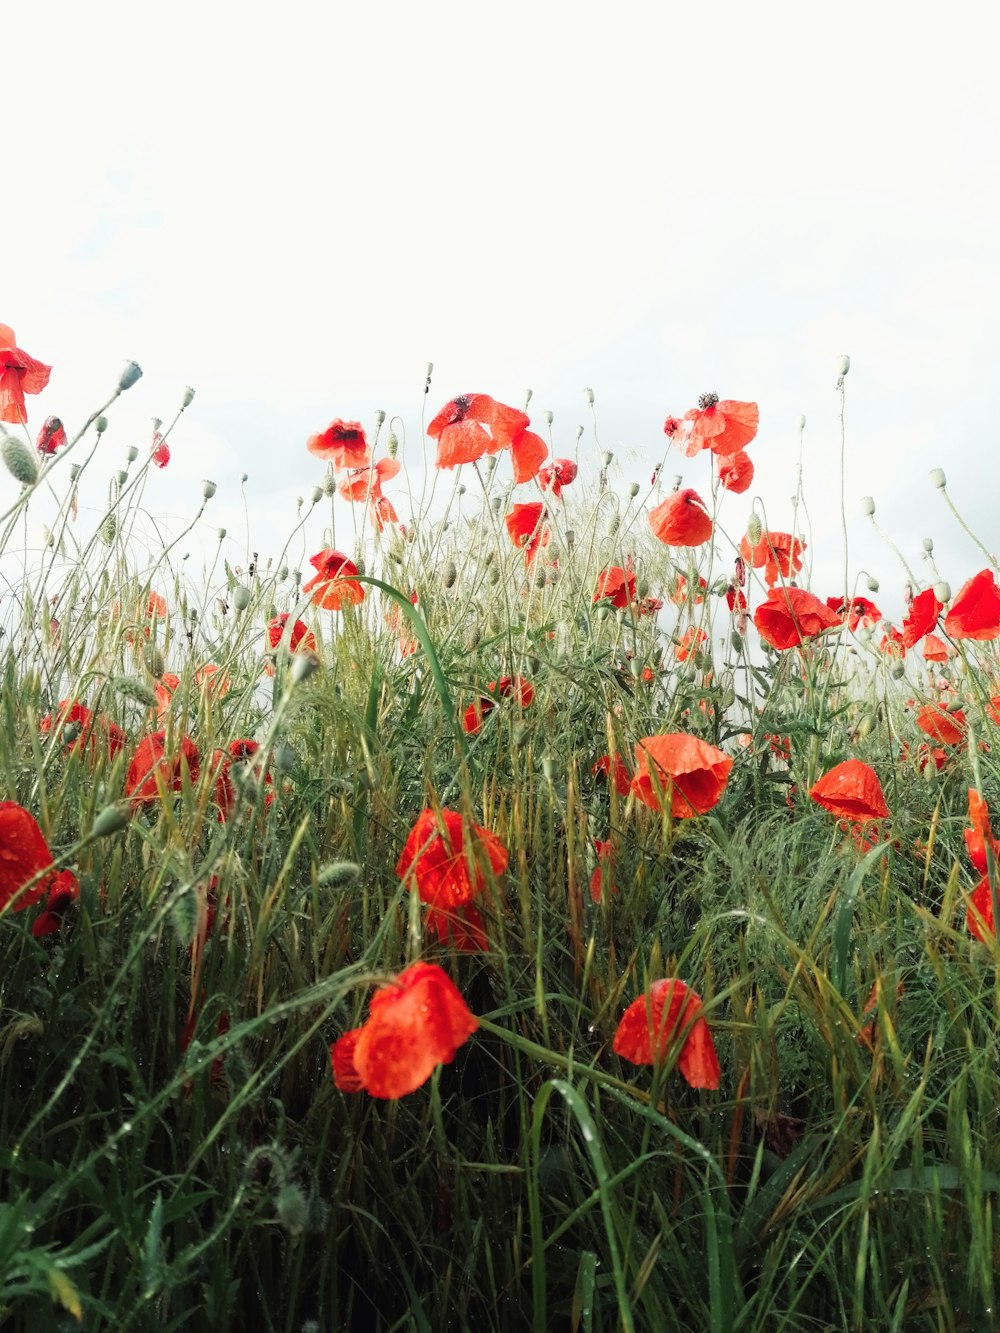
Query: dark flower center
(342, 435)
(708, 400)
(459, 408)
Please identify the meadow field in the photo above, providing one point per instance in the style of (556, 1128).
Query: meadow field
(540, 910)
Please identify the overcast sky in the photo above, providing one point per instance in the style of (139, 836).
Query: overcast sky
(293, 209)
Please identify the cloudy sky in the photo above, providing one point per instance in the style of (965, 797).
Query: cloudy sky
(294, 209)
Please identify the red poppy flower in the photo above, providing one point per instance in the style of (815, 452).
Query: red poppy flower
(19, 374)
(415, 1023)
(559, 473)
(924, 611)
(151, 761)
(975, 612)
(461, 928)
(942, 726)
(335, 581)
(780, 746)
(527, 453)
(159, 450)
(365, 483)
(977, 837)
(602, 874)
(892, 644)
(439, 861)
(861, 612)
(244, 751)
(935, 649)
(223, 789)
(648, 606)
(736, 472)
(213, 680)
(342, 445)
(979, 913)
(614, 769)
(776, 553)
(724, 427)
(527, 529)
(851, 790)
(63, 892)
(164, 691)
(474, 715)
(690, 643)
(24, 853)
(678, 590)
(300, 637)
(654, 1025)
(681, 520)
(73, 715)
(791, 615)
(689, 773)
(51, 437)
(472, 425)
(617, 585)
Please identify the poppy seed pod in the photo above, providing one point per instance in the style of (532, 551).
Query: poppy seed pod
(19, 460)
(873, 585)
(131, 453)
(547, 418)
(430, 369)
(188, 398)
(461, 489)
(755, 530)
(208, 489)
(942, 591)
(122, 477)
(606, 457)
(379, 417)
(101, 425)
(579, 432)
(527, 397)
(588, 396)
(938, 478)
(802, 423)
(928, 544)
(392, 444)
(131, 374)
(241, 597)
(844, 367)
(633, 490)
(867, 505)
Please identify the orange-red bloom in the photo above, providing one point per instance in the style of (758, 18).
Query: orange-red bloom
(942, 726)
(617, 585)
(335, 581)
(924, 611)
(24, 853)
(614, 770)
(861, 612)
(79, 729)
(935, 649)
(159, 450)
(980, 835)
(472, 425)
(300, 637)
(527, 453)
(559, 473)
(724, 427)
(776, 553)
(602, 872)
(439, 861)
(342, 444)
(527, 529)
(690, 643)
(415, 1023)
(151, 760)
(19, 374)
(975, 612)
(51, 437)
(851, 790)
(681, 520)
(678, 590)
(791, 615)
(654, 1025)
(682, 769)
(63, 892)
(736, 472)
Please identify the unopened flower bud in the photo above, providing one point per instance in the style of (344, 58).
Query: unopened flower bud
(379, 416)
(101, 425)
(241, 597)
(755, 530)
(131, 374)
(579, 432)
(284, 755)
(938, 478)
(112, 819)
(897, 670)
(188, 398)
(844, 367)
(208, 489)
(872, 584)
(131, 453)
(317, 494)
(606, 457)
(122, 477)
(867, 505)
(547, 418)
(633, 490)
(527, 397)
(928, 544)
(942, 591)
(244, 476)
(588, 396)
(802, 423)
(74, 471)
(19, 460)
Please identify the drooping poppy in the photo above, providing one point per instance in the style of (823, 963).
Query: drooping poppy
(776, 553)
(19, 374)
(151, 761)
(528, 452)
(975, 612)
(51, 437)
(602, 873)
(791, 615)
(342, 445)
(942, 726)
(979, 913)
(852, 791)
(690, 773)
(892, 644)
(63, 892)
(334, 584)
(459, 928)
(648, 606)
(159, 450)
(617, 585)
(862, 611)
(724, 427)
(924, 611)
(736, 472)
(557, 474)
(475, 714)
(614, 769)
(24, 853)
(439, 862)
(300, 638)
(414, 1024)
(472, 425)
(935, 649)
(79, 728)
(527, 529)
(668, 1017)
(980, 835)
(690, 643)
(681, 520)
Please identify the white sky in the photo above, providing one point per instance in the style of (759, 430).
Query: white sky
(293, 208)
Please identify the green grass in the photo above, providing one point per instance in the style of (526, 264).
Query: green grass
(538, 1181)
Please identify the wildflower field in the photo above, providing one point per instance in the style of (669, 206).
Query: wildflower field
(543, 911)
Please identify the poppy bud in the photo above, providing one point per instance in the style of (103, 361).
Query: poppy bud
(292, 1209)
(244, 476)
(329, 485)
(109, 529)
(549, 768)
(844, 367)
(208, 489)
(540, 579)
(153, 659)
(897, 670)
(131, 453)
(527, 398)
(490, 464)
(449, 574)
(241, 597)
(865, 726)
(188, 398)
(635, 666)
(430, 369)
(802, 423)
(547, 418)
(379, 417)
(938, 478)
(588, 396)
(19, 460)
(613, 522)
(284, 755)
(633, 490)
(392, 444)
(928, 544)
(101, 425)
(579, 432)
(130, 375)
(675, 482)
(462, 488)
(867, 505)
(122, 477)
(112, 819)
(872, 584)
(755, 530)
(606, 458)
(942, 591)
(317, 494)
(736, 640)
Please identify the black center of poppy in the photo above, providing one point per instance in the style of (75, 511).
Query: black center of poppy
(460, 407)
(342, 434)
(708, 400)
